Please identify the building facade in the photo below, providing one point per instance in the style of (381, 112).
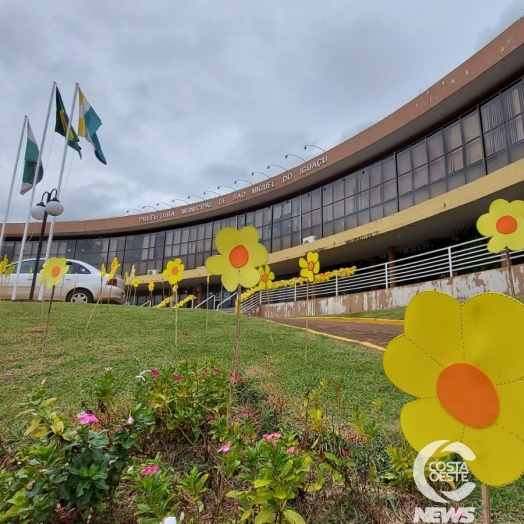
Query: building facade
(426, 171)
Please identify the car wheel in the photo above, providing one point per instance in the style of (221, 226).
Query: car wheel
(80, 295)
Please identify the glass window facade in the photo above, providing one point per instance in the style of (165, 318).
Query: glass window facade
(483, 140)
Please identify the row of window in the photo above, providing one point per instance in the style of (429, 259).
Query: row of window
(482, 141)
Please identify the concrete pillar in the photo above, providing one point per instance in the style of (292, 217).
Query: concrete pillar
(392, 256)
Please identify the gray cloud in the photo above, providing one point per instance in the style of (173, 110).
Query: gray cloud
(196, 95)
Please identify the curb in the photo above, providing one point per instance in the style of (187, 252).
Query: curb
(336, 337)
(361, 320)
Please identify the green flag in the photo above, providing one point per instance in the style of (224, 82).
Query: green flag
(31, 159)
(62, 120)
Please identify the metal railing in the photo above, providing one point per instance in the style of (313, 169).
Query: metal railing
(459, 259)
(225, 300)
(206, 300)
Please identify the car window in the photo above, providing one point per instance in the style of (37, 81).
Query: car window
(77, 269)
(26, 266)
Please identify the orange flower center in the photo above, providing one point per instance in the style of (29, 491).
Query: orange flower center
(55, 272)
(238, 257)
(506, 225)
(174, 270)
(264, 278)
(468, 395)
(311, 266)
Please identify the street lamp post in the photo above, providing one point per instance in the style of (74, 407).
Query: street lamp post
(296, 156)
(143, 207)
(180, 200)
(276, 165)
(138, 211)
(164, 204)
(214, 192)
(232, 188)
(246, 181)
(312, 145)
(195, 196)
(40, 211)
(259, 172)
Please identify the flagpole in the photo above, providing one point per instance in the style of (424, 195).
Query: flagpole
(35, 179)
(4, 224)
(52, 228)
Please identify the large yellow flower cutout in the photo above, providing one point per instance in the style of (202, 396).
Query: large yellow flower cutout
(504, 224)
(310, 266)
(465, 363)
(240, 255)
(151, 286)
(3, 264)
(53, 272)
(266, 277)
(174, 271)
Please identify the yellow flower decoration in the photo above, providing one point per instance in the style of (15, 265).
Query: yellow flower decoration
(133, 272)
(53, 272)
(241, 254)
(465, 364)
(174, 271)
(135, 282)
(504, 224)
(310, 266)
(9, 269)
(151, 286)
(3, 265)
(266, 277)
(103, 271)
(114, 266)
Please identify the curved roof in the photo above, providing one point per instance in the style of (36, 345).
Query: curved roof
(482, 74)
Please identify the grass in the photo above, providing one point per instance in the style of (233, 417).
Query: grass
(144, 339)
(138, 338)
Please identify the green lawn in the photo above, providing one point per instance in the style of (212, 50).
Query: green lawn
(134, 339)
(138, 338)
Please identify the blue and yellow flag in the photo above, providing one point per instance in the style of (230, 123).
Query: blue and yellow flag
(88, 124)
(62, 121)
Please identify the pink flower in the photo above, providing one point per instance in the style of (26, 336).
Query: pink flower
(247, 412)
(87, 418)
(225, 448)
(216, 370)
(345, 453)
(205, 372)
(271, 436)
(291, 449)
(149, 469)
(154, 373)
(236, 377)
(176, 378)
(130, 421)
(210, 417)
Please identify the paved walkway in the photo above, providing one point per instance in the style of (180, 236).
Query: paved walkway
(373, 333)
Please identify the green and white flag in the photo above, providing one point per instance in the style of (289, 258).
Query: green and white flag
(31, 159)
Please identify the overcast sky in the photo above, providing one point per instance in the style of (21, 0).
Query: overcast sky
(193, 95)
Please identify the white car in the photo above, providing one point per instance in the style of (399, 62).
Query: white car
(82, 283)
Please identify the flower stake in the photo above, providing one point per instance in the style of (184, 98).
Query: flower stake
(174, 273)
(207, 296)
(504, 223)
(465, 364)
(266, 282)
(135, 283)
(241, 254)
(309, 267)
(52, 274)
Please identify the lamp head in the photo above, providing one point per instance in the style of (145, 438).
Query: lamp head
(38, 211)
(54, 207)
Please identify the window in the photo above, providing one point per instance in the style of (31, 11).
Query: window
(513, 101)
(515, 131)
(77, 269)
(418, 154)
(435, 146)
(473, 152)
(403, 162)
(492, 115)
(452, 136)
(375, 174)
(495, 141)
(471, 126)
